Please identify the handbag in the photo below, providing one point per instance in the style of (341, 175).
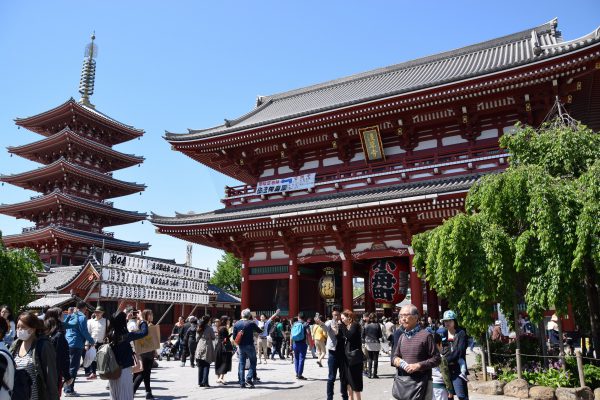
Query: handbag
(353, 357)
(137, 364)
(406, 387)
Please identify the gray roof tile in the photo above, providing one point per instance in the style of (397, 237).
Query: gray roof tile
(475, 60)
(324, 201)
(58, 278)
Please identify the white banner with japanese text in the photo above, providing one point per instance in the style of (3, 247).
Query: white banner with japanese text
(300, 182)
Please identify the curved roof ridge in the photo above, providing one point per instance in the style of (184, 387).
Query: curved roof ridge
(67, 131)
(549, 26)
(64, 161)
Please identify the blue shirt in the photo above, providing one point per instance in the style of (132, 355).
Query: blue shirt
(249, 327)
(77, 333)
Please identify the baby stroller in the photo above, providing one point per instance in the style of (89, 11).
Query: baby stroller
(170, 348)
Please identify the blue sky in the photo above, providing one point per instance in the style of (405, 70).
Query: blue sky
(190, 64)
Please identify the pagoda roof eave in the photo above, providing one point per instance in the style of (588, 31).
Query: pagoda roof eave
(60, 198)
(60, 165)
(526, 48)
(67, 134)
(402, 193)
(33, 121)
(60, 232)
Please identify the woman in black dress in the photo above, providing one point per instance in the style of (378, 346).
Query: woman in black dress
(352, 371)
(223, 350)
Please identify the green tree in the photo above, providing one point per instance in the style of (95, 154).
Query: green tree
(530, 232)
(18, 269)
(228, 274)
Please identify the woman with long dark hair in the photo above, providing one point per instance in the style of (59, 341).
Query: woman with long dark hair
(56, 333)
(353, 364)
(371, 336)
(6, 313)
(205, 350)
(120, 339)
(33, 352)
(147, 360)
(223, 351)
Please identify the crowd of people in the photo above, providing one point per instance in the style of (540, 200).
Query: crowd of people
(44, 352)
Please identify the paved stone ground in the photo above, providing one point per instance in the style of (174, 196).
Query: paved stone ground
(170, 381)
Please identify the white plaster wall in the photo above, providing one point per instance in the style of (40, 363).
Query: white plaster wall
(450, 140)
(259, 256)
(488, 134)
(389, 151)
(279, 254)
(426, 144)
(284, 170)
(358, 157)
(267, 172)
(310, 165)
(332, 161)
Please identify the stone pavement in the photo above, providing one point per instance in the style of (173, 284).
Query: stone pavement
(170, 381)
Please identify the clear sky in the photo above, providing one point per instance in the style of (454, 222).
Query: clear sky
(173, 65)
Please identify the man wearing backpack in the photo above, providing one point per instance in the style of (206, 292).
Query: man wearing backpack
(77, 334)
(276, 333)
(7, 364)
(300, 339)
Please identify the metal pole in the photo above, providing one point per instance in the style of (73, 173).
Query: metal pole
(561, 345)
(580, 368)
(164, 314)
(483, 365)
(519, 368)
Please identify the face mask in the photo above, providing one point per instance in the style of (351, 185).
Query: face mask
(23, 334)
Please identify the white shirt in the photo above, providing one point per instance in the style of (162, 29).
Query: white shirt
(97, 329)
(9, 374)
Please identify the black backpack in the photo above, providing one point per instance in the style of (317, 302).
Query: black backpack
(273, 332)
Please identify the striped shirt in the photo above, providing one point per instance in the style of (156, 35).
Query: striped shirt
(419, 348)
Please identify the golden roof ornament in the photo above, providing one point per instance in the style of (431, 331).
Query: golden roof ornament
(88, 73)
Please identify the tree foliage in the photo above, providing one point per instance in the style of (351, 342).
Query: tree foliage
(18, 280)
(530, 232)
(228, 275)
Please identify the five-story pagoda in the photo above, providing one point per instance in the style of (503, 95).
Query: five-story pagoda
(75, 179)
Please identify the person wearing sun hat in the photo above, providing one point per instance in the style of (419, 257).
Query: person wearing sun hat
(457, 339)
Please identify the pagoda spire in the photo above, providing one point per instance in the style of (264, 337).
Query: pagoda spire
(88, 73)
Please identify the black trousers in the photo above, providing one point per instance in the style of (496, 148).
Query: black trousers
(373, 359)
(147, 362)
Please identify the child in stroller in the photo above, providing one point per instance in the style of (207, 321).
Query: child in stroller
(170, 348)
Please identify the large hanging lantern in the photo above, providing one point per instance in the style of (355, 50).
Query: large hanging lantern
(327, 285)
(388, 280)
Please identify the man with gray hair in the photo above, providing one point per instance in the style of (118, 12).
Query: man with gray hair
(414, 357)
(246, 328)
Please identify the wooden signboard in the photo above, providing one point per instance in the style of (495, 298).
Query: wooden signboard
(149, 343)
(371, 142)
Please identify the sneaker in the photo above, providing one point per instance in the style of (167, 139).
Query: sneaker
(91, 376)
(182, 365)
(302, 378)
(319, 364)
(149, 396)
(242, 385)
(250, 384)
(375, 376)
(71, 394)
(463, 377)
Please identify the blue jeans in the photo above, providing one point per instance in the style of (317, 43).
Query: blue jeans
(300, 349)
(74, 363)
(334, 364)
(460, 386)
(247, 351)
(203, 370)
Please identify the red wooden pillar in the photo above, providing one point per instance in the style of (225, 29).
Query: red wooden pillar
(416, 287)
(293, 287)
(347, 275)
(245, 282)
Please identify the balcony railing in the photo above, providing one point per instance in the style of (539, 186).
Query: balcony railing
(411, 169)
(29, 229)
